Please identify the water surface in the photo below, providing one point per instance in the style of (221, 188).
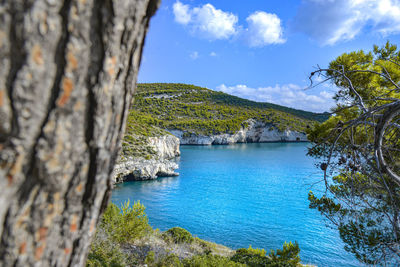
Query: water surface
(241, 195)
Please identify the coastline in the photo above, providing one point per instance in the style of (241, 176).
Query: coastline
(165, 149)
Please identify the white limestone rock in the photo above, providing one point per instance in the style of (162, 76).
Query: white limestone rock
(166, 150)
(255, 132)
(142, 169)
(166, 147)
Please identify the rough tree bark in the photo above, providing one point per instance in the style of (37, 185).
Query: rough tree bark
(67, 73)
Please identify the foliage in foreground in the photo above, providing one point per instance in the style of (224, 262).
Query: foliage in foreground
(104, 252)
(288, 256)
(124, 225)
(210, 260)
(362, 199)
(117, 227)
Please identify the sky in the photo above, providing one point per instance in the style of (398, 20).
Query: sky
(263, 50)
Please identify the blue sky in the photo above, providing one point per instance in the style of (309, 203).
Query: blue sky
(262, 50)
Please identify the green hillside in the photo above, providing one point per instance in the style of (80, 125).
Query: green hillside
(203, 111)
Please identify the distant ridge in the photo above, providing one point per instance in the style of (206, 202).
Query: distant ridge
(224, 98)
(159, 108)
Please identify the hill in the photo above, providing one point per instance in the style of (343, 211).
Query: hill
(202, 111)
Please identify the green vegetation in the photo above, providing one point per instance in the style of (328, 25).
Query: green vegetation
(202, 111)
(106, 253)
(288, 256)
(211, 261)
(124, 238)
(125, 224)
(178, 235)
(196, 110)
(117, 227)
(139, 127)
(170, 260)
(362, 197)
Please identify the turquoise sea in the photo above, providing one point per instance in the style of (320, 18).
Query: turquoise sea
(241, 195)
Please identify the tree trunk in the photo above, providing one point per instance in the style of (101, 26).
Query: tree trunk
(67, 74)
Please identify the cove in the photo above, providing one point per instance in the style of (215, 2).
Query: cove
(240, 195)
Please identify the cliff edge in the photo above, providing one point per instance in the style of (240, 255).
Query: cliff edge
(254, 132)
(157, 162)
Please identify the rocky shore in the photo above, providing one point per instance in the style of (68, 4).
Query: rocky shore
(166, 148)
(141, 169)
(162, 162)
(255, 132)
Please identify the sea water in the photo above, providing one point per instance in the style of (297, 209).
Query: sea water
(243, 194)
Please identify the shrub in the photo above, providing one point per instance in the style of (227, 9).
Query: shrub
(117, 226)
(171, 260)
(178, 235)
(250, 258)
(209, 261)
(104, 252)
(256, 251)
(150, 258)
(289, 254)
(207, 246)
(125, 224)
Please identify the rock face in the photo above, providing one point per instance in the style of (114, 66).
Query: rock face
(142, 169)
(161, 165)
(167, 149)
(255, 132)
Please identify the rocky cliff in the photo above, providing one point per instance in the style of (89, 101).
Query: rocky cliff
(159, 164)
(255, 132)
(156, 155)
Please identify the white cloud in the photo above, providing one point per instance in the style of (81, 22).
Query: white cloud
(194, 55)
(206, 21)
(181, 12)
(264, 29)
(215, 24)
(332, 21)
(290, 95)
(213, 54)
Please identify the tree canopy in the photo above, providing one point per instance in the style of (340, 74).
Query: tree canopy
(359, 153)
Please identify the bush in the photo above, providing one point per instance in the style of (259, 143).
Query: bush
(125, 224)
(207, 246)
(117, 226)
(256, 251)
(104, 252)
(170, 260)
(249, 258)
(209, 261)
(288, 256)
(178, 235)
(150, 258)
